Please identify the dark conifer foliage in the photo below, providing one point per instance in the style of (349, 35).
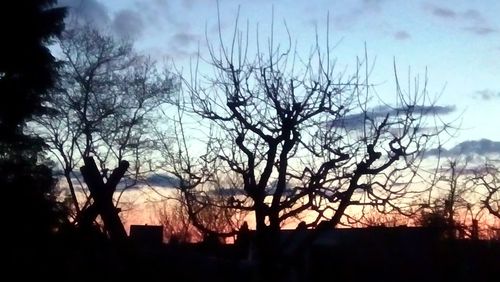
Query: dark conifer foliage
(27, 72)
(27, 67)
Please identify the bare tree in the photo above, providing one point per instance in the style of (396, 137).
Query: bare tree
(449, 201)
(301, 136)
(488, 180)
(375, 218)
(105, 105)
(173, 217)
(177, 218)
(458, 199)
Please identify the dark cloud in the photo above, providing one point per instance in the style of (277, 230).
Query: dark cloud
(184, 39)
(159, 180)
(470, 20)
(183, 45)
(159, 3)
(227, 192)
(480, 30)
(162, 180)
(374, 5)
(401, 35)
(153, 11)
(271, 188)
(126, 182)
(355, 121)
(362, 10)
(89, 11)
(477, 24)
(443, 12)
(128, 23)
(440, 11)
(125, 23)
(162, 15)
(463, 167)
(473, 15)
(487, 94)
(188, 4)
(470, 148)
(175, 52)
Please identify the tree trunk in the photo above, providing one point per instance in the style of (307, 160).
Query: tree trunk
(103, 197)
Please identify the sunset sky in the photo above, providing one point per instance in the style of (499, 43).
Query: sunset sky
(457, 41)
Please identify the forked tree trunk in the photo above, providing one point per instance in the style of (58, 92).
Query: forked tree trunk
(102, 194)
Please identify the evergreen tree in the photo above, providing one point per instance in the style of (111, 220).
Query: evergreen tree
(27, 71)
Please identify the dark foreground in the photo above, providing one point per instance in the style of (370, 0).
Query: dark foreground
(382, 258)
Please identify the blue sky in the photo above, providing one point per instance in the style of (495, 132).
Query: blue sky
(458, 42)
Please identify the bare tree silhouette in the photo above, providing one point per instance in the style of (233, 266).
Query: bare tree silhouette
(105, 105)
(488, 178)
(298, 134)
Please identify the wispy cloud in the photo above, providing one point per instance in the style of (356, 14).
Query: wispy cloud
(474, 15)
(188, 4)
(128, 23)
(470, 20)
(366, 12)
(442, 12)
(184, 39)
(401, 35)
(480, 30)
(477, 24)
(483, 147)
(124, 23)
(487, 94)
(355, 121)
(162, 180)
(90, 11)
(358, 11)
(373, 5)
(183, 45)
(153, 11)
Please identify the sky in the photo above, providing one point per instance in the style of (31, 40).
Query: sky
(455, 42)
